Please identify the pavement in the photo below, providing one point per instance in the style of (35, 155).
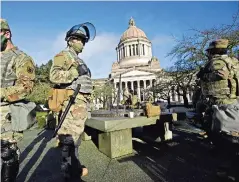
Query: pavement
(187, 158)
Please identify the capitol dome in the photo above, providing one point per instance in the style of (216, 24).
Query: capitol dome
(134, 48)
(132, 32)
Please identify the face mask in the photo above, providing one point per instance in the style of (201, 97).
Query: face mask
(3, 42)
(78, 47)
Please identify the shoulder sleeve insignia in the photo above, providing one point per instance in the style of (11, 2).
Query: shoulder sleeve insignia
(29, 69)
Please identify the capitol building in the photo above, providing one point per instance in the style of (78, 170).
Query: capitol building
(135, 68)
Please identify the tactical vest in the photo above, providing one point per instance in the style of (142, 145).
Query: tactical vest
(84, 80)
(223, 88)
(8, 60)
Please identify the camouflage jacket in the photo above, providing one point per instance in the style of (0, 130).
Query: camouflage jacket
(219, 79)
(17, 75)
(64, 71)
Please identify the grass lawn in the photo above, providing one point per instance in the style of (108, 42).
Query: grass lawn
(41, 119)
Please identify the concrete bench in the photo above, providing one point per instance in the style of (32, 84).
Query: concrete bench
(116, 137)
(155, 133)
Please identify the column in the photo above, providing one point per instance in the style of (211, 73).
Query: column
(151, 52)
(170, 95)
(121, 52)
(135, 49)
(138, 90)
(151, 83)
(139, 48)
(117, 54)
(188, 96)
(145, 49)
(126, 85)
(120, 87)
(126, 51)
(144, 84)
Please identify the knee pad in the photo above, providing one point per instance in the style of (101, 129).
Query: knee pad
(65, 152)
(67, 146)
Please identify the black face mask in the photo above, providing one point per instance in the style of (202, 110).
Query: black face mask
(3, 42)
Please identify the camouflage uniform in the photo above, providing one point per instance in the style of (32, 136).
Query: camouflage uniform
(64, 71)
(67, 71)
(17, 80)
(135, 101)
(17, 76)
(219, 85)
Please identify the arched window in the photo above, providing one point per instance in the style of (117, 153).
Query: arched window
(133, 49)
(137, 50)
(123, 52)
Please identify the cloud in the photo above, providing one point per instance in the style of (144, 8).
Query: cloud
(98, 54)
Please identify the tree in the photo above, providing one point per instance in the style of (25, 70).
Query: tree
(163, 86)
(39, 93)
(42, 72)
(42, 84)
(191, 49)
(184, 80)
(106, 94)
(191, 56)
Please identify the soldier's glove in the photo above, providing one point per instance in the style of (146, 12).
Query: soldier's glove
(83, 70)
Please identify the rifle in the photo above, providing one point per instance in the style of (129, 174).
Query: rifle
(72, 100)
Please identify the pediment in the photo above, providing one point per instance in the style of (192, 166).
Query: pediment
(133, 73)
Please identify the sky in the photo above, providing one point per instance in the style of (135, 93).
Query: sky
(39, 28)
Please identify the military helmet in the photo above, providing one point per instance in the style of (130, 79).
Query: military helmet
(4, 24)
(85, 31)
(218, 44)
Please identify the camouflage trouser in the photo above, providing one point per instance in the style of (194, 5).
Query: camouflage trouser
(74, 122)
(5, 123)
(6, 126)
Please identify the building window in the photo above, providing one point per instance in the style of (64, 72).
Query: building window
(143, 50)
(133, 49)
(130, 53)
(137, 50)
(123, 52)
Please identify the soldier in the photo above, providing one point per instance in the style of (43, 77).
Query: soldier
(67, 71)
(17, 80)
(135, 100)
(220, 88)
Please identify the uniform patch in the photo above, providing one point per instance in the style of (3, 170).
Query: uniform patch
(29, 69)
